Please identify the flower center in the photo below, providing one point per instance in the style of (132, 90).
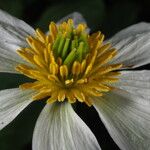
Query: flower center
(68, 64)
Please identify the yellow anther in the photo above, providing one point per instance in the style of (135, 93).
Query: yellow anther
(36, 74)
(49, 48)
(24, 71)
(26, 85)
(95, 35)
(79, 95)
(53, 69)
(59, 61)
(105, 69)
(29, 40)
(103, 48)
(26, 56)
(111, 74)
(101, 88)
(46, 56)
(64, 71)
(92, 92)
(101, 39)
(49, 39)
(106, 57)
(83, 65)
(88, 101)
(115, 67)
(81, 81)
(51, 54)
(53, 78)
(93, 58)
(80, 28)
(36, 46)
(61, 95)
(39, 61)
(63, 26)
(108, 80)
(53, 30)
(69, 82)
(52, 58)
(41, 36)
(70, 22)
(34, 85)
(76, 68)
(42, 94)
(53, 98)
(70, 96)
(88, 69)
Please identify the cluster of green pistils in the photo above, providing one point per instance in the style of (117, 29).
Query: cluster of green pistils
(68, 64)
(70, 44)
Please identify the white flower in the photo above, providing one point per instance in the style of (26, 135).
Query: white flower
(124, 110)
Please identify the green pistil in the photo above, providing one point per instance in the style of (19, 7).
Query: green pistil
(65, 49)
(61, 45)
(76, 40)
(69, 34)
(56, 44)
(73, 44)
(70, 58)
(80, 51)
(70, 46)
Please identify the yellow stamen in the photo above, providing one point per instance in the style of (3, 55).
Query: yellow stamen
(68, 82)
(81, 81)
(53, 30)
(68, 64)
(53, 68)
(40, 35)
(61, 95)
(76, 68)
(64, 71)
(42, 94)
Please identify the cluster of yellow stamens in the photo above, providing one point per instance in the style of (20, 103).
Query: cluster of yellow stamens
(68, 64)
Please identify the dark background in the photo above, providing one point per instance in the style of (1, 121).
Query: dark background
(109, 16)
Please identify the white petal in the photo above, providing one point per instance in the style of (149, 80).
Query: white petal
(12, 102)
(77, 18)
(60, 128)
(133, 45)
(127, 119)
(135, 82)
(12, 36)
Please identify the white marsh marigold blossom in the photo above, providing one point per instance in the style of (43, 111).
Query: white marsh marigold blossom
(68, 65)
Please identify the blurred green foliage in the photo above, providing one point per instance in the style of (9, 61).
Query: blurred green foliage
(109, 16)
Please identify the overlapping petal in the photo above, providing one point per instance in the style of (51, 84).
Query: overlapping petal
(127, 119)
(75, 16)
(12, 36)
(133, 45)
(60, 128)
(12, 102)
